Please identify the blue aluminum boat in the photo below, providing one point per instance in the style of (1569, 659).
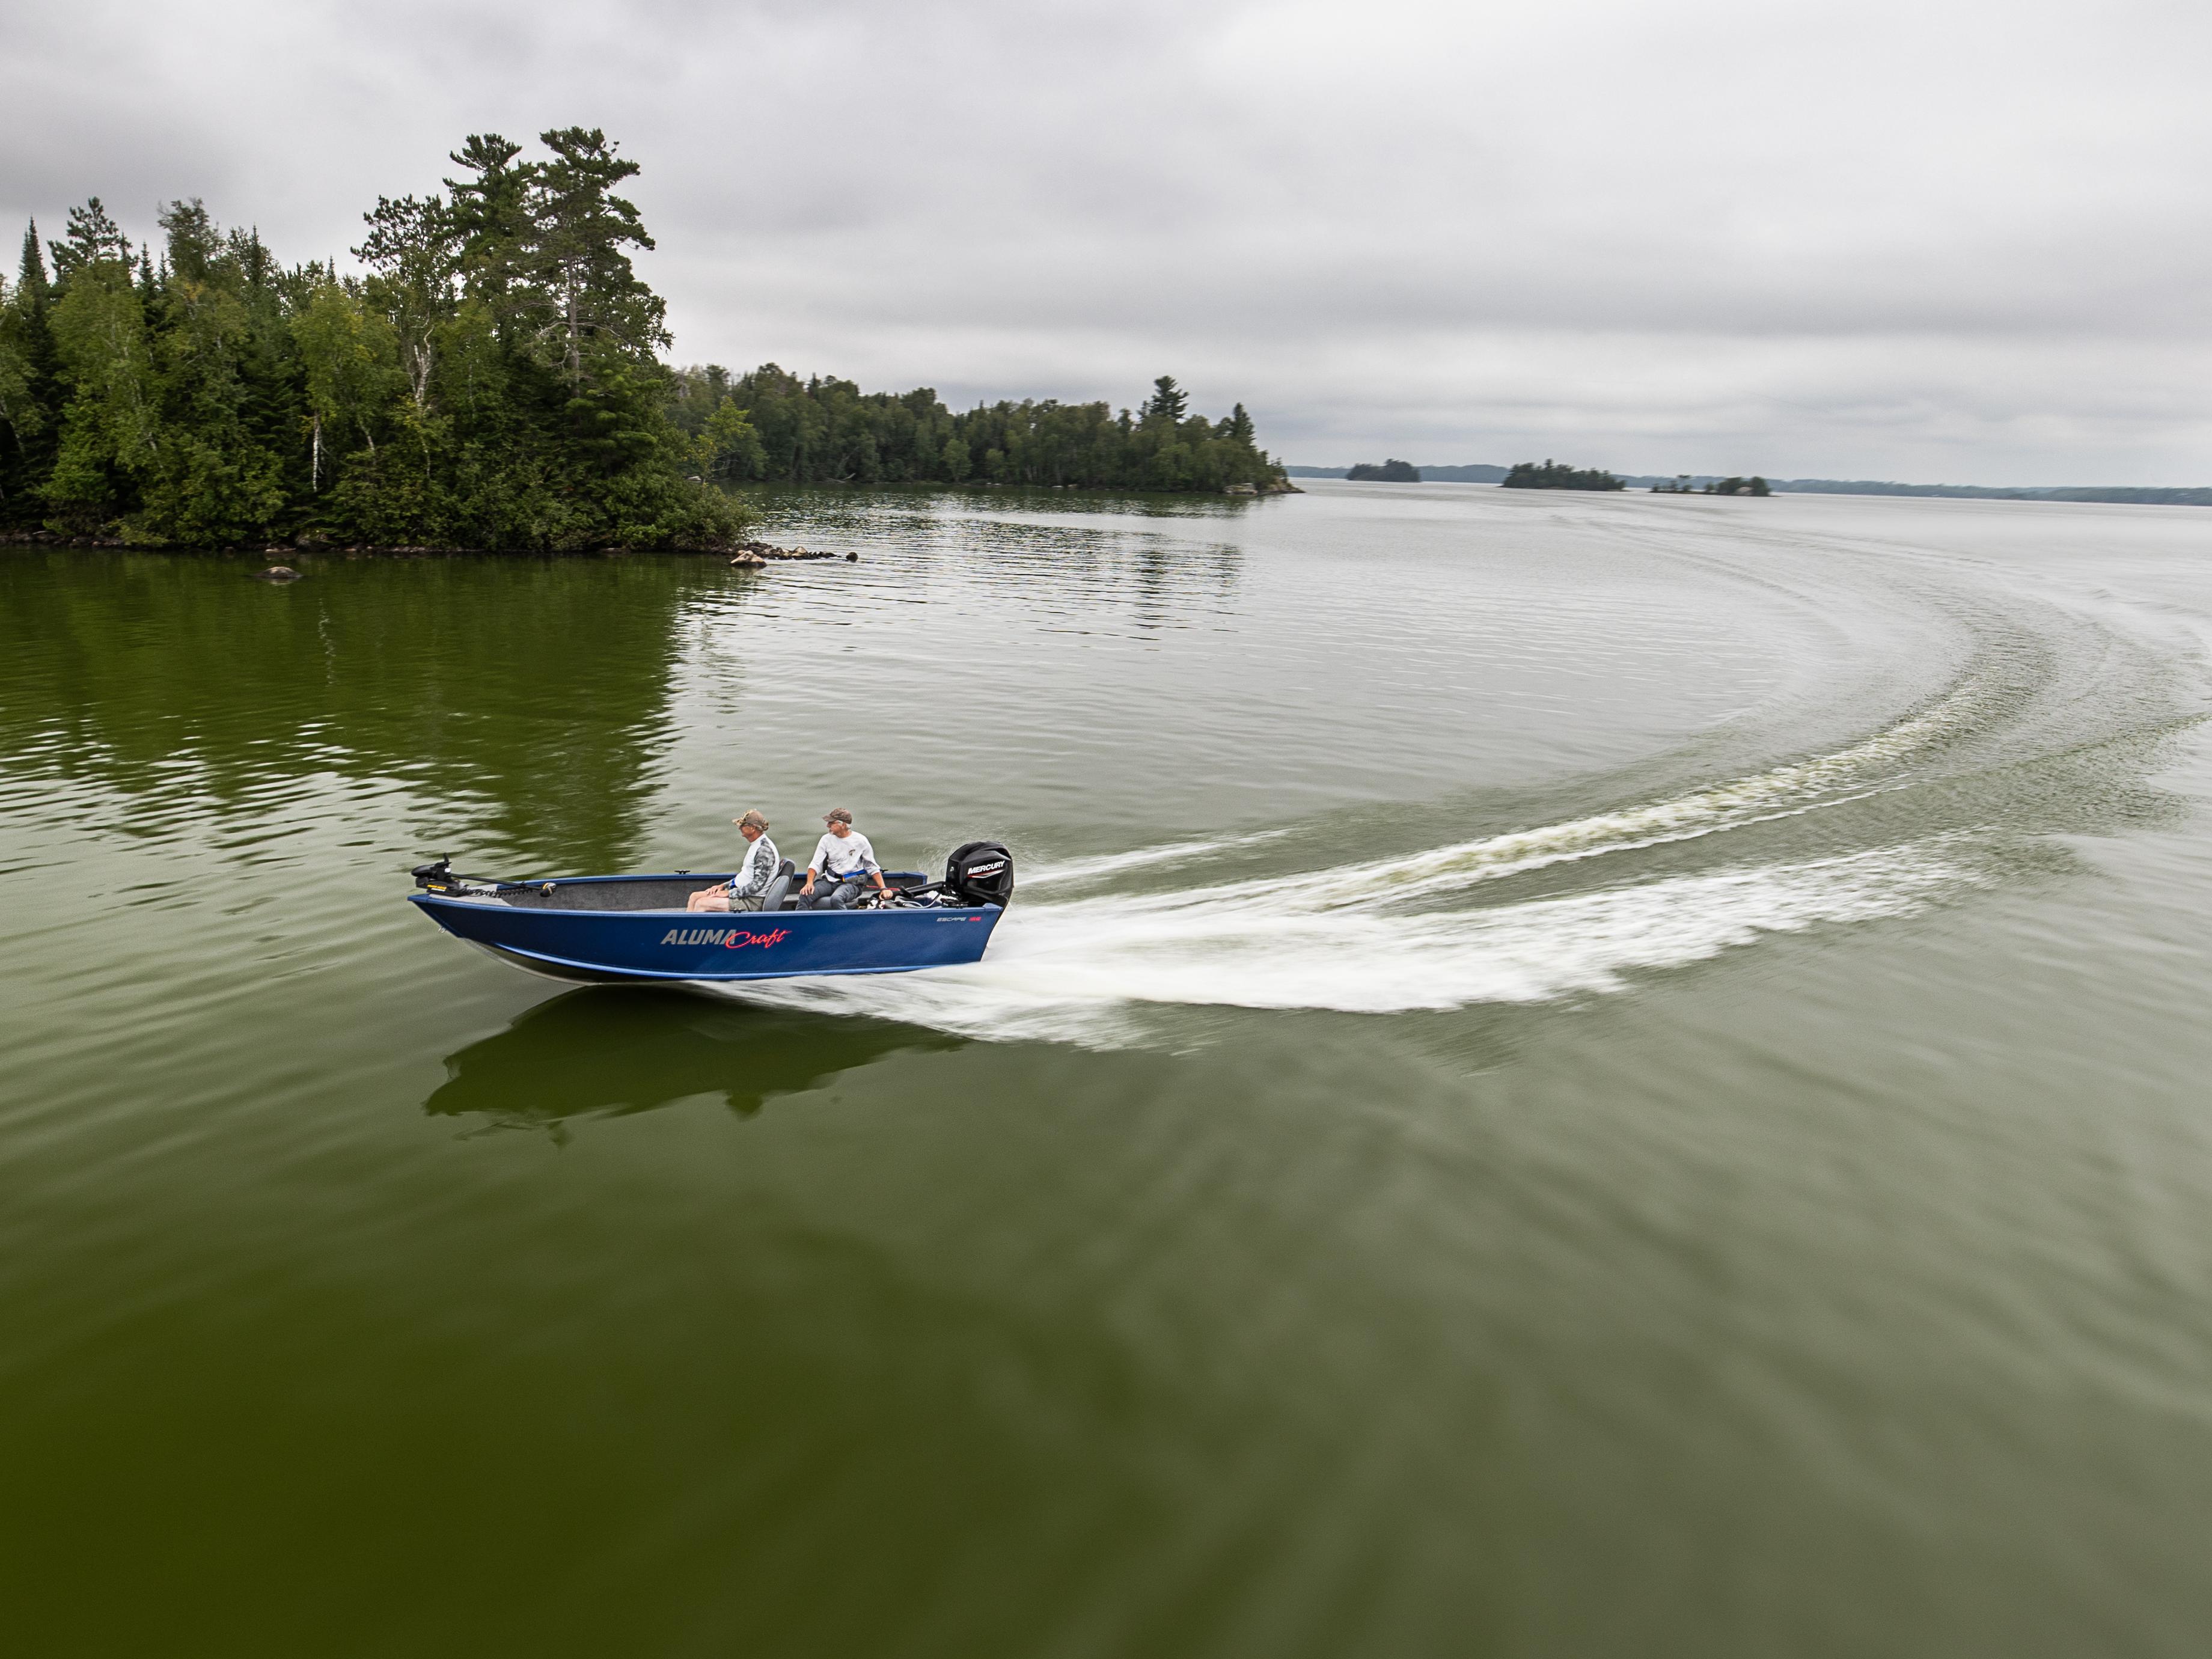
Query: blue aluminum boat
(618, 929)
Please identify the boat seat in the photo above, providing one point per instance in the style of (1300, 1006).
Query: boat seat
(779, 885)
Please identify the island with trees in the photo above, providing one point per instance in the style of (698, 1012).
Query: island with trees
(491, 378)
(1681, 484)
(1387, 472)
(1557, 475)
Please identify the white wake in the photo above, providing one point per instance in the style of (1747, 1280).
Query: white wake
(1086, 972)
(1347, 938)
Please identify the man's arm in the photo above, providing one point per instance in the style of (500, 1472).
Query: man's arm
(753, 878)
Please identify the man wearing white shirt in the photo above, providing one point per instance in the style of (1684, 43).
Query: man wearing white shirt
(743, 890)
(843, 856)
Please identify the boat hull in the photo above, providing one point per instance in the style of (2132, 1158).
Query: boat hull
(606, 946)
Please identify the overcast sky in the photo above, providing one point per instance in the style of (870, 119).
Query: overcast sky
(1964, 241)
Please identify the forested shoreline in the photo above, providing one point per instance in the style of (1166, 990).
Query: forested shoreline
(491, 378)
(1557, 475)
(772, 425)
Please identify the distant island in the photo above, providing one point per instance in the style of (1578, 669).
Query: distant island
(1387, 472)
(491, 380)
(2132, 495)
(1682, 484)
(1429, 474)
(1557, 475)
(1464, 474)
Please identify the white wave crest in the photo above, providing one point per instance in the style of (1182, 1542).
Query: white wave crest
(1781, 792)
(1091, 869)
(1084, 972)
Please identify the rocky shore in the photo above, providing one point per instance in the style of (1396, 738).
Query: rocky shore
(758, 555)
(316, 547)
(767, 550)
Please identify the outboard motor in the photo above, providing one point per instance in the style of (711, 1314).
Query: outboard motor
(981, 872)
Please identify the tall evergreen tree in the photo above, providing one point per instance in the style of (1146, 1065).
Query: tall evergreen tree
(21, 419)
(1167, 403)
(111, 422)
(92, 239)
(29, 435)
(579, 280)
(210, 477)
(490, 216)
(31, 269)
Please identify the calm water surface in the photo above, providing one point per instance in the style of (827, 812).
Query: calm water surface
(1570, 1075)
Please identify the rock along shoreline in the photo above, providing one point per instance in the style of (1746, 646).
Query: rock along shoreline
(738, 552)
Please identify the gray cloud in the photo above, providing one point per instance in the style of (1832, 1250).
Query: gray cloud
(1966, 240)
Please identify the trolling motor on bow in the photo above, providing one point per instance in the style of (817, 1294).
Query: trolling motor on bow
(439, 878)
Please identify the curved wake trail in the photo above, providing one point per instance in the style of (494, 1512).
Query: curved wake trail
(1781, 792)
(1082, 972)
(1343, 938)
(1112, 864)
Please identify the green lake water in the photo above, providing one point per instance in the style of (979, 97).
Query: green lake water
(1568, 1075)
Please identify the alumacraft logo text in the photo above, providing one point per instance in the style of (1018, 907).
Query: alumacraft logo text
(734, 939)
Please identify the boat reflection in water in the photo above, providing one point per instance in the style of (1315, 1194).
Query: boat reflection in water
(610, 1052)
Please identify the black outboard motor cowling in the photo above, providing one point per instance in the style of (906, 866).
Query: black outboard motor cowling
(981, 872)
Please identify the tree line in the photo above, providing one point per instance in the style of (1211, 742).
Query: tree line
(1557, 475)
(772, 425)
(490, 377)
(1681, 484)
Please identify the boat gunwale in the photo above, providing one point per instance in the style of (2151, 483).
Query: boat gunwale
(702, 880)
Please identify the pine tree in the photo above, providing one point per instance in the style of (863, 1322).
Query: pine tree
(210, 477)
(1167, 403)
(579, 280)
(31, 271)
(111, 419)
(92, 238)
(29, 420)
(490, 216)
